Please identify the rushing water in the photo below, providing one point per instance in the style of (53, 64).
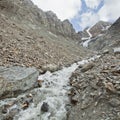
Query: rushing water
(54, 92)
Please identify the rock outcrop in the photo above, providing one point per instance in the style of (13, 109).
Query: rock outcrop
(110, 39)
(15, 80)
(96, 30)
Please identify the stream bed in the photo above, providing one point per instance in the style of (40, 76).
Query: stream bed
(53, 92)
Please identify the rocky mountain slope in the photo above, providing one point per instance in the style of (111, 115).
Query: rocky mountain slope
(96, 89)
(99, 28)
(110, 39)
(31, 37)
(26, 12)
(32, 42)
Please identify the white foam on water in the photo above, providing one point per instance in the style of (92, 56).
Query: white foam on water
(55, 89)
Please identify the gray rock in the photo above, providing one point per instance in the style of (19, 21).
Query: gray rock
(45, 107)
(114, 102)
(74, 99)
(16, 79)
(50, 67)
(86, 67)
(117, 50)
(106, 51)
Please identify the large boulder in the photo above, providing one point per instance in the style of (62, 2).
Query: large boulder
(14, 80)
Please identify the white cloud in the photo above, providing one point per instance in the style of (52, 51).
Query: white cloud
(110, 10)
(92, 3)
(64, 9)
(88, 19)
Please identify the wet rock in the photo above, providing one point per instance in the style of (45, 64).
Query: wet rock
(38, 83)
(27, 100)
(4, 110)
(16, 79)
(72, 92)
(86, 67)
(25, 105)
(117, 50)
(74, 99)
(8, 117)
(114, 102)
(45, 107)
(68, 107)
(13, 112)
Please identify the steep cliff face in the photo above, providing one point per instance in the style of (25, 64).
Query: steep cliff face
(25, 11)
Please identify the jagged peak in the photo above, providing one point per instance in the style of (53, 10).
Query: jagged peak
(51, 14)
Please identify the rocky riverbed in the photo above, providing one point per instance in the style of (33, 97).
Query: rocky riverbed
(45, 98)
(96, 89)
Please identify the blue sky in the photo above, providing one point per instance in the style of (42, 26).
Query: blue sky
(82, 13)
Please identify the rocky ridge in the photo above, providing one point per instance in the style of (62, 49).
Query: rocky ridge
(96, 30)
(26, 12)
(109, 40)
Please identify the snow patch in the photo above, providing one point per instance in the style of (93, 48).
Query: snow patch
(85, 44)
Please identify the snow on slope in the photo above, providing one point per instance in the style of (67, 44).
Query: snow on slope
(85, 44)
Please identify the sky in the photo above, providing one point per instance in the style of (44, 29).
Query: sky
(82, 13)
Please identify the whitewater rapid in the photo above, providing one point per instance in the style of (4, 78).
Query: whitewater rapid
(54, 92)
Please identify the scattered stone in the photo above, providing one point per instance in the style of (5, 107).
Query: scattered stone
(25, 105)
(106, 51)
(40, 83)
(88, 66)
(114, 102)
(45, 107)
(13, 112)
(109, 86)
(74, 99)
